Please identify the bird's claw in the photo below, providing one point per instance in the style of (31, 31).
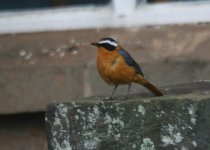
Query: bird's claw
(108, 98)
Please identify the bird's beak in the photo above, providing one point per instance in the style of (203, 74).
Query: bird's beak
(95, 44)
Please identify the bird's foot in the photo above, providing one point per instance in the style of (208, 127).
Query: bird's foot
(108, 98)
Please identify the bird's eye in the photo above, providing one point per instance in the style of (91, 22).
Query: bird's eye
(108, 46)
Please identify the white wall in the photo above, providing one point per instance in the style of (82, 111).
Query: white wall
(117, 14)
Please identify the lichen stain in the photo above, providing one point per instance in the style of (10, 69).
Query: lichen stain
(88, 119)
(147, 144)
(112, 122)
(192, 112)
(171, 135)
(141, 110)
(61, 114)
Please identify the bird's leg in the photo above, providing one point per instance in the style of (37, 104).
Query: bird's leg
(115, 87)
(129, 86)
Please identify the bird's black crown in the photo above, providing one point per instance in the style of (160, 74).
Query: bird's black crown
(108, 43)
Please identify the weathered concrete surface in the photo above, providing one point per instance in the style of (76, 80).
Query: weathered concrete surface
(143, 123)
(40, 68)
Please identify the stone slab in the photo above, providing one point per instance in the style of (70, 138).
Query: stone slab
(143, 123)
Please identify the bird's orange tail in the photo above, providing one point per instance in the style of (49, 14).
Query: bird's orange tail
(149, 86)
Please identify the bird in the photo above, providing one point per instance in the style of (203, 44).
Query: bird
(117, 67)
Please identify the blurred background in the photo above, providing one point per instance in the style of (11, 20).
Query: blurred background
(46, 56)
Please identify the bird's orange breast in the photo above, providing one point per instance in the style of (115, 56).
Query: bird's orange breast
(113, 68)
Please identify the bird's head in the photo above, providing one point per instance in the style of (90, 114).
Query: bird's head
(107, 43)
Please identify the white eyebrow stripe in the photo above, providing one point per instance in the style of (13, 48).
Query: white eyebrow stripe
(109, 42)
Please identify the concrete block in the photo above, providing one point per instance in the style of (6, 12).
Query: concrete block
(142, 123)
